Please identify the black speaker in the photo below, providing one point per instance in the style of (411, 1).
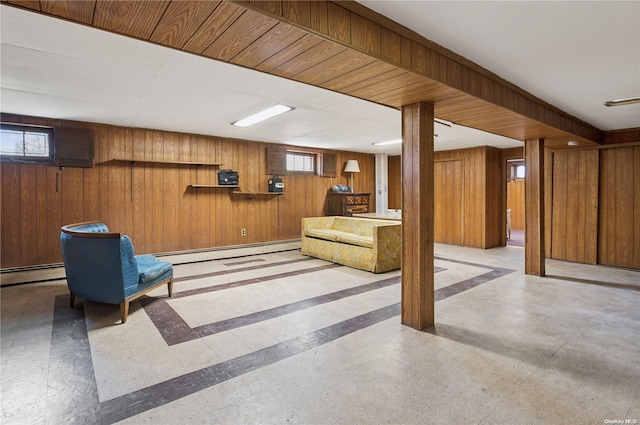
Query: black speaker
(276, 184)
(228, 177)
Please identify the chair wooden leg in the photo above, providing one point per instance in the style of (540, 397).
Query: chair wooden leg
(72, 299)
(124, 311)
(170, 287)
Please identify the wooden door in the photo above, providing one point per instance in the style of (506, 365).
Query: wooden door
(515, 202)
(394, 174)
(448, 199)
(575, 206)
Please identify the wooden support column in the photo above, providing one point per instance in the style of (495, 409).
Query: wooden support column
(417, 216)
(534, 207)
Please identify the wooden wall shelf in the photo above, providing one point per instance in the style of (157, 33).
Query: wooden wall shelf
(213, 186)
(252, 195)
(234, 190)
(152, 161)
(258, 193)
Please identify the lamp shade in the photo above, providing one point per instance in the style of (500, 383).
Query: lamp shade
(352, 166)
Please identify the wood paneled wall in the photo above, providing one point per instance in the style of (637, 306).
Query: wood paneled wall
(472, 197)
(515, 202)
(449, 201)
(592, 202)
(151, 202)
(469, 197)
(596, 206)
(619, 207)
(494, 199)
(575, 206)
(483, 205)
(548, 196)
(394, 174)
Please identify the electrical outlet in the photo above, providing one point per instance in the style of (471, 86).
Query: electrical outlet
(243, 232)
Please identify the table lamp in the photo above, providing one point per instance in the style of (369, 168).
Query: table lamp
(352, 167)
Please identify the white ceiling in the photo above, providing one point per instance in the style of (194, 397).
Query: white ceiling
(57, 69)
(575, 55)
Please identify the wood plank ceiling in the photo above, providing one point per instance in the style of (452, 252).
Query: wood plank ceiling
(336, 45)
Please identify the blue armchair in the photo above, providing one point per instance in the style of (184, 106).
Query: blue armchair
(101, 266)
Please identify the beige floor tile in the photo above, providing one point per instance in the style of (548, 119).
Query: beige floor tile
(516, 349)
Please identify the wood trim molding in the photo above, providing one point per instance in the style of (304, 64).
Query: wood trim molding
(628, 135)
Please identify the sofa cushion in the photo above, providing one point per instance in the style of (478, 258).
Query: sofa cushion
(128, 262)
(150, 268)
(356, 226)
(353, 239)
(326, 234)
(341, 237)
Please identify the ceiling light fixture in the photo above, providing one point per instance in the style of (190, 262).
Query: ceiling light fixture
(389, 142)
(620, 102)
(573, 143)
(263, 115)
(392, 142)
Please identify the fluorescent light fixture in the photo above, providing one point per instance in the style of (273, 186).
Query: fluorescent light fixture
(620, 102)
(393, 142)
(573, 143)
(263, 115)
(389, 142)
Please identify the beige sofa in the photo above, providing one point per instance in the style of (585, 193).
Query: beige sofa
(372, 245)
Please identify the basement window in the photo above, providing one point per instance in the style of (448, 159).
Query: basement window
(22, 143)
(299, 162)
(519, 171)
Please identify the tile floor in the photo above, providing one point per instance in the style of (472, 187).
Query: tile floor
(280, 338)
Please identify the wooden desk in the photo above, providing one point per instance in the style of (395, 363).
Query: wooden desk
(347, 203)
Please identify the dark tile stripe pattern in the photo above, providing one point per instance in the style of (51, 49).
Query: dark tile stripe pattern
(165, 392)
(253, 280)
(79, 399)
(236, 263)
(464, 285)
(175, 330)
(72, 390)
(243, 269)
(467, 284)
